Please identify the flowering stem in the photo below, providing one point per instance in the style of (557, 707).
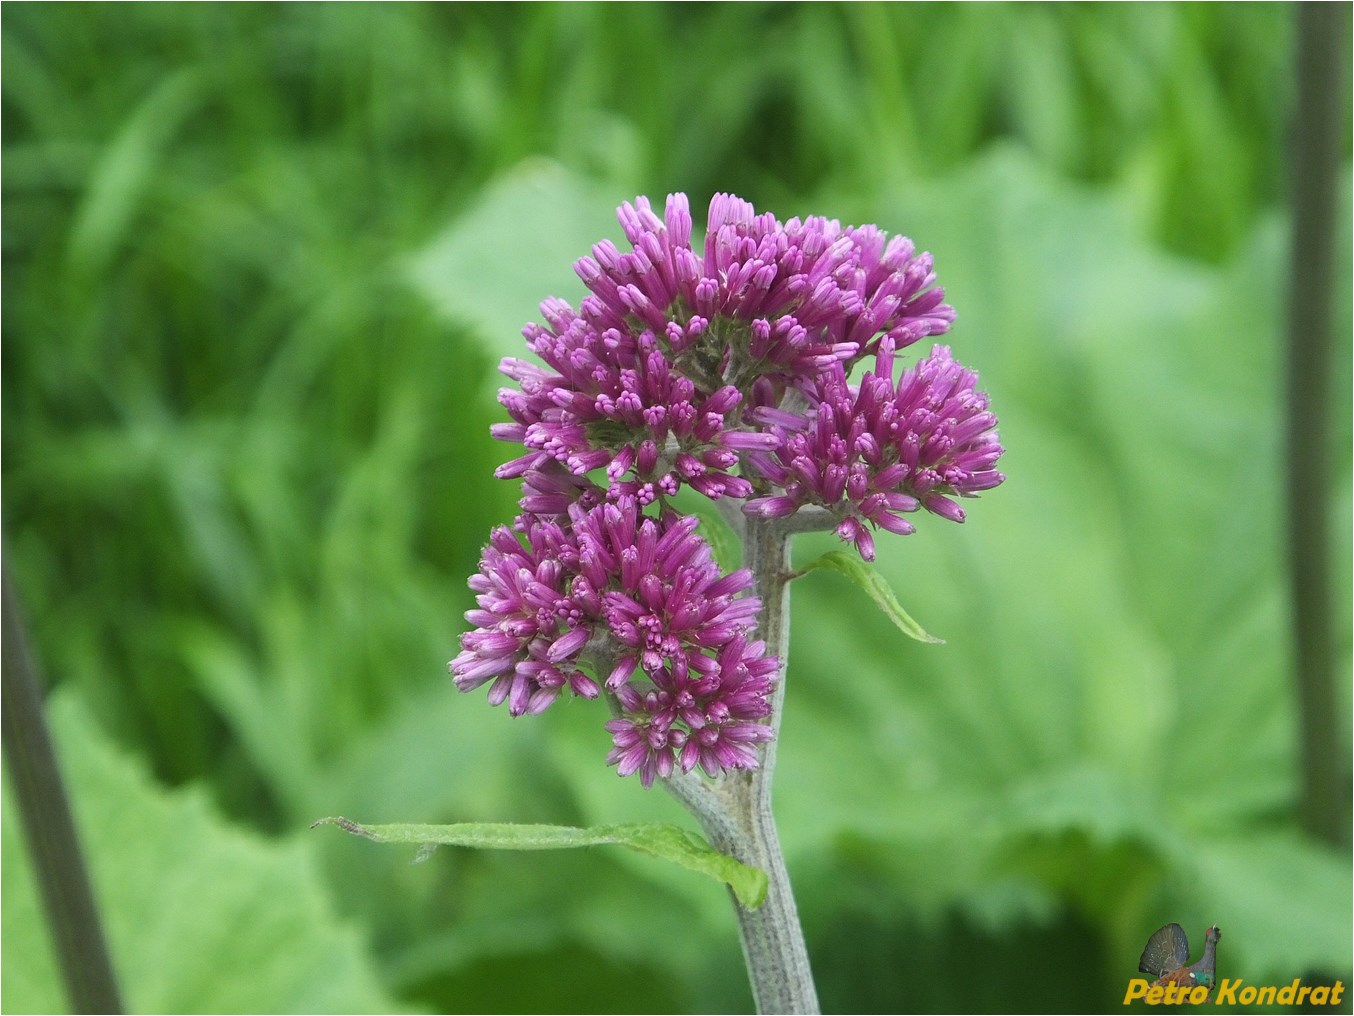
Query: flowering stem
(668, 376)
(736, 812)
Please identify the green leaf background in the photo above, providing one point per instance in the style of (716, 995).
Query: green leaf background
(200, 917)
(260, 263)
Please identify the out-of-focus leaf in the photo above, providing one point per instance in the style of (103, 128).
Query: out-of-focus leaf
(1259, 887)
(494, 264)
(668, 842)
(200, 917)
(863, 574)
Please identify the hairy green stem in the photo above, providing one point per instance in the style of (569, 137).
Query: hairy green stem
(736, 812)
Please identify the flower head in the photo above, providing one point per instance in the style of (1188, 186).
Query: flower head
(871, 453)
(653, 375)
(688, 718)
(528, 636)
(640, 599)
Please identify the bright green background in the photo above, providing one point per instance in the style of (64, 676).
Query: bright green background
(259, 262)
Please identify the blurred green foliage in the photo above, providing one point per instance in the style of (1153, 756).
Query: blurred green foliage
(259, 262)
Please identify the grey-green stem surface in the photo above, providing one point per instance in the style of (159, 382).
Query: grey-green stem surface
(735, 812)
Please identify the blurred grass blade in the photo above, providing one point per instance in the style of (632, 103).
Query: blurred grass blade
(123, 174)
(669, 842)
(865, 576)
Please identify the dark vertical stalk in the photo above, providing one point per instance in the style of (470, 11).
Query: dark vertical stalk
(52, 842)
(1323, 45)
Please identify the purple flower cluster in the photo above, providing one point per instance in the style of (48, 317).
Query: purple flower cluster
(872, 452)
(723, 369)
(652, 375)
(642, 598)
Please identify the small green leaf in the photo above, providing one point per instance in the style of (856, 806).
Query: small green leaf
(865, 576)
(669, 842)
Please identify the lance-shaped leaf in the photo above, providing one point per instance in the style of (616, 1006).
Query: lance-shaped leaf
(864, 575)
(669, 842)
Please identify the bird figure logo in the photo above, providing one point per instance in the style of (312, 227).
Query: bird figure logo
(1167, 954)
